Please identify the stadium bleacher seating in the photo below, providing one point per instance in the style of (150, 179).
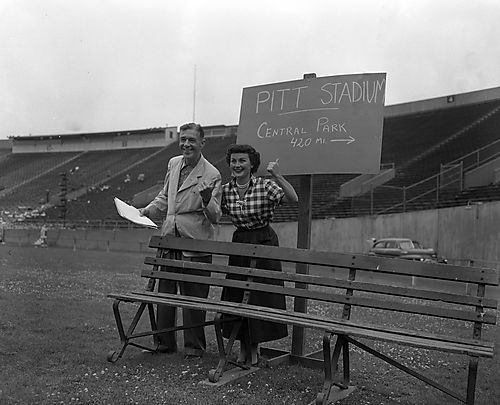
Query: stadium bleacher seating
(98, 202)
(19, 168)
(418, 144)
(84, 170)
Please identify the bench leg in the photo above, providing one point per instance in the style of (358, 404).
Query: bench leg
(346, 363)
(330, 363)
(215, 374)
(125, 337)
(471, 380)
(152, 321)
(113, 356)
(327, 366)
(422, 377)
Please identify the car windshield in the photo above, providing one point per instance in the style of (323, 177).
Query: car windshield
(407, 244)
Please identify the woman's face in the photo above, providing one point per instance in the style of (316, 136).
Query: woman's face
(240, 166)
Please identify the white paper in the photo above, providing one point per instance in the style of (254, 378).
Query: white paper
(132, 214)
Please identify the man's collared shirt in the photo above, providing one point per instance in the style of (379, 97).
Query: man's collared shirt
(183, 174)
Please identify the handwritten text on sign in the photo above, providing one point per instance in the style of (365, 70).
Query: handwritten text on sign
(320, 125)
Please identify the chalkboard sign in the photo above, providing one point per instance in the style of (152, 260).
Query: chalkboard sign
(320, 125)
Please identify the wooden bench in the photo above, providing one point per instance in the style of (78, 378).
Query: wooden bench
(360, 296)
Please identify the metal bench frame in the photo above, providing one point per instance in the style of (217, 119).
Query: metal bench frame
(344, 330)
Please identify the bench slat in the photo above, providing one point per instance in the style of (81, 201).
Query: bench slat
(307, 317)
(368, 302)
(343, 260)
(416, 339)
(329, 282)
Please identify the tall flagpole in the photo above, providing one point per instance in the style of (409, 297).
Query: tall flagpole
(194, 95)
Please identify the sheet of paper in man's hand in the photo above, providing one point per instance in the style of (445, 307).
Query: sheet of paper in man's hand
(132, 214)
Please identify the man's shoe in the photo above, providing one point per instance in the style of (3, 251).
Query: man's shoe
(166, 350)
(192, 356)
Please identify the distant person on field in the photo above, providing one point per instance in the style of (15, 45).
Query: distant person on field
(190, 198)
(250, 201)
(2, 233)
(42, 240)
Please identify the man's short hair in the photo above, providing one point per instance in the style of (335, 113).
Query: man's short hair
(191, 125)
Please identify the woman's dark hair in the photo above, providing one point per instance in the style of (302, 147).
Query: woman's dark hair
(253, 155)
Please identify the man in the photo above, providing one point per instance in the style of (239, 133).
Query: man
(191, 199)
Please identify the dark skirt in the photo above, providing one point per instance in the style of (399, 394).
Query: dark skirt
(259, 331)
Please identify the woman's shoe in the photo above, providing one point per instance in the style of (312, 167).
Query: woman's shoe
(242, 357)
(254, 355)
(253, 359)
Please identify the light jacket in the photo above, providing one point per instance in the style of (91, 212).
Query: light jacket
(184, 207)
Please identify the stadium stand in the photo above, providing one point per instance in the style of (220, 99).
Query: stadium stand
(97, 203)
(85, 170)
(16, 169)
(419, 145)
(118, 180)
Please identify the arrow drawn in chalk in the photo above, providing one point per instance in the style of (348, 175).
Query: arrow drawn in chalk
(348, 140)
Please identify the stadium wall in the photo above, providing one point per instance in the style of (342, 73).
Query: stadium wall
(460, 234)
(127, 139)
(6, 144)
(146, 138)
(438, 103)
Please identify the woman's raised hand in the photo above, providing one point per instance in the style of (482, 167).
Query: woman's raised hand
(272, 167)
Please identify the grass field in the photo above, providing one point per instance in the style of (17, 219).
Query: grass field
(56, 327)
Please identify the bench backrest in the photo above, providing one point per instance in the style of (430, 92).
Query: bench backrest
(343, 274)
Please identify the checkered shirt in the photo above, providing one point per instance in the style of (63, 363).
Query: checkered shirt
(257, 207)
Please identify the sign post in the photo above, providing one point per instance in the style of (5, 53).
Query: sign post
(315, 125)
(304, 242)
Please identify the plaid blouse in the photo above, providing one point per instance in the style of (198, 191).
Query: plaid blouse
(257, 207)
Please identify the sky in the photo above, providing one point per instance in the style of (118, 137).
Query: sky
(103, 65)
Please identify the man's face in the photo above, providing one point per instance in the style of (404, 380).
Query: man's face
(191, 144)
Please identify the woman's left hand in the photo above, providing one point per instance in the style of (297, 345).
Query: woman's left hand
(272, 168)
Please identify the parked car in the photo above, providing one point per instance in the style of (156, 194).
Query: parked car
(404, 248)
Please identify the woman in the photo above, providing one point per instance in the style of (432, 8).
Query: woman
(250, 202)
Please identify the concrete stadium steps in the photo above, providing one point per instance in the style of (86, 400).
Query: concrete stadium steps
(482, 133)
(417, 143)
(454, 146)
(479, 194)
(92, 166)
(98, 203)
(19, 168)
(405, 137)
(390, 201)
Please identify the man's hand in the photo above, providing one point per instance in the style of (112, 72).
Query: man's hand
(144, 212)
(205, 189)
